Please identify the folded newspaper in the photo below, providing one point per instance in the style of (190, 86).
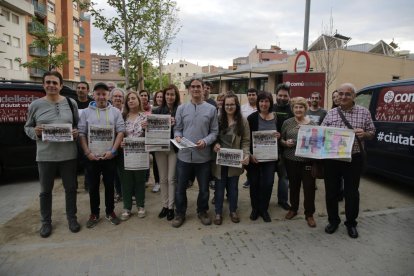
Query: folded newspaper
(184, 144)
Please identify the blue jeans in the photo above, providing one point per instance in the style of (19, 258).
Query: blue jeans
(261, 177)
(283, 182)
(231, 183)
(184, 171)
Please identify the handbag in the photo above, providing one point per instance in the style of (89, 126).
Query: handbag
(317, 169)
(361, 148)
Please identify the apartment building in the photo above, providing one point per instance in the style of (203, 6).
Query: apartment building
(180, 71)
(102, 64)
(257, 55)
(13, 35)
(62, 17)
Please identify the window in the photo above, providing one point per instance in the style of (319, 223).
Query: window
(75, 39)
(7, 39)
(179, 74)
(186, 74)
(181, 65)
(76, 55)
(77, 72)
(6, 14)
(15, 18)
(8, 63)
(51, 26)
(16, 42)
(394, 78)
(50, 7)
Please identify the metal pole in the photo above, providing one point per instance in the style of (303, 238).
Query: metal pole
(306, 31)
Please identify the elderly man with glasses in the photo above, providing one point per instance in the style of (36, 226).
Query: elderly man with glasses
(347, 115)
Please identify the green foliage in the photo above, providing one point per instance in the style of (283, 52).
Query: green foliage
(45, 41)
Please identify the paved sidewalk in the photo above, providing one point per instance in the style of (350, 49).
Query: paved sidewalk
(386, 247)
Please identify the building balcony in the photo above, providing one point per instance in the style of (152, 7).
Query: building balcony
(36, 72)
(85, 17)
(37, 52)
(2, 21)
(33, 28)
(82, 47)
(82, 63)
(82, 78)
(81, 31)
(40, 9)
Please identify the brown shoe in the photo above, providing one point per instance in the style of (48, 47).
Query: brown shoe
(218, 220)
(178, 221)
(291, 214)
(234, 217)
(204, 218)
(311, 222)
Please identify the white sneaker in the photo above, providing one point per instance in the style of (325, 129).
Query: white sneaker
(156, 188)
(126, 215)
(141, 212)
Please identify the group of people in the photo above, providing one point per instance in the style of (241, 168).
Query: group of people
(211, 126)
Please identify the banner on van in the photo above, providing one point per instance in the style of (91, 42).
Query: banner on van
(14, 105)
(396, 104)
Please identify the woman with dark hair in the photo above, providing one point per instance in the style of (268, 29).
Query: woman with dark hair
(261, 174)
(234, 133)
(298, 168)
(158, 99)
(167, 160)
(133, 181)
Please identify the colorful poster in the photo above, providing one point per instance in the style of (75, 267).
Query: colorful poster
(319, 142)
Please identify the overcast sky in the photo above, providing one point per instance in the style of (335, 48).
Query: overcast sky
(214, 32)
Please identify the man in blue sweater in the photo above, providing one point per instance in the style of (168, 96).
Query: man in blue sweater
(196, 121)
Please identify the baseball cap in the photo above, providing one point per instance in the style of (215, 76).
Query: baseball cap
(101, 85)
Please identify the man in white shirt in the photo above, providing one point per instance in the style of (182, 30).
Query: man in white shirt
(249, 107)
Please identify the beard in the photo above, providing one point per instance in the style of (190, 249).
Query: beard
(282, 102)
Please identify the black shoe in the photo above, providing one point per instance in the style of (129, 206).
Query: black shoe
(163, 212)
(331, 228)
(178, 221)
(284, 205)
(266, 216)
(170, 214)
(46, 230)
(74, 226)
(352, 232)
(254, 214)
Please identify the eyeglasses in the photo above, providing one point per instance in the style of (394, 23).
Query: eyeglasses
(229, 105)
(344, 94)
(51, 82)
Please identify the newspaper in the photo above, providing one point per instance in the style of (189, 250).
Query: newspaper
(230, 157)
(135, 156)
(57, 133)
(158, 132)
(184, 144)
(100, 139)
(320, 142)
(265, 145)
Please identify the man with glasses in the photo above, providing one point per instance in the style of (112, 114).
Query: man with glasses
(360, 119)
(315, 112)
(197, 122)
(54, 157)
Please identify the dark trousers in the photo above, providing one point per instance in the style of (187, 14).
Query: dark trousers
(231, 184)
(261, 177)
(47, 174)
(351, 174)
(298, 173)
(184, 171)
(107, 168)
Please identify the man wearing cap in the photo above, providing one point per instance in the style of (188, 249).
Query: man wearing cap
(99, 121)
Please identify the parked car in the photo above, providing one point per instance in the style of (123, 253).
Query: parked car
(17, 151)
(391, 152)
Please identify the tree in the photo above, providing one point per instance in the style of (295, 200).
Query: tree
(165, 29)
(47, 43)
(327, 59)
(131, 31)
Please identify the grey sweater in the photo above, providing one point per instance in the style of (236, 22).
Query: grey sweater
(108, 116)
(42, 112)
(196, 122)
